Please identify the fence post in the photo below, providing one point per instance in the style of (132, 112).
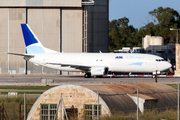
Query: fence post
(98, 106)
(156, 77)
(24, 106)
(0, 112)
(20, 110)
(178, 104)
(61, 105)
(26, 110)
(137, 104)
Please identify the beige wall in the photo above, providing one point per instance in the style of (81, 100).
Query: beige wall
(16, 42)
(57, 24)
(45, 23)
(55, 3)
(63, 3)
(11, 39)
(52, 28)
(71, 96)
(177, 72)
(71, 30)
(48, 27)
(3, 39)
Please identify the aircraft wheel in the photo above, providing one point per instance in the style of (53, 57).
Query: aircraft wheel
(87, 75)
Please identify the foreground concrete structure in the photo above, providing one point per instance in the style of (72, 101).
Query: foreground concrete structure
(177, 69)
(83, 100)
(62, 25)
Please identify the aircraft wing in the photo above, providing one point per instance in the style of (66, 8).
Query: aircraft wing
(82, 67)
(25, 55)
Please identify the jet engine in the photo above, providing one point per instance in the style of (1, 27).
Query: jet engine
(99, 71)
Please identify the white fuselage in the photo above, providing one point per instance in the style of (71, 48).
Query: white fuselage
(116, 62)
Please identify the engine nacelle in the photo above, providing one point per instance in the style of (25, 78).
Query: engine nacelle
(99, 71)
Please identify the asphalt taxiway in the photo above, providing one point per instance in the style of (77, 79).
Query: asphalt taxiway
(36, 80)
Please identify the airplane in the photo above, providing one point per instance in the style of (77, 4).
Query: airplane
(92, 64)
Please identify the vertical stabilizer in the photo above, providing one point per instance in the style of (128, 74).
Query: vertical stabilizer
(33, 45)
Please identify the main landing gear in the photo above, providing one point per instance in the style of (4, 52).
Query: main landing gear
(87, 75)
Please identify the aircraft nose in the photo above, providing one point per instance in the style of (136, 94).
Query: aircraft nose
(168, 65)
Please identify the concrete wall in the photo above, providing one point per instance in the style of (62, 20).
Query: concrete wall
(72, 30)
(11, 40)
(4, 40)
(16, 44)
(57, 23)
(40, 3)
(177, 71)
(45, 23)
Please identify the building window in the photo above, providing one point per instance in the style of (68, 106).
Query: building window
(48, 111)
(91, 111)
(72, 113)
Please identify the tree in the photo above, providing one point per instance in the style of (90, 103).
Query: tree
(164, 19)
(165, 16)
(114, 35)
(121, 34)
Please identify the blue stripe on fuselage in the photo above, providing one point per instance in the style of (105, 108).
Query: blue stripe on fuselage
(137, 63)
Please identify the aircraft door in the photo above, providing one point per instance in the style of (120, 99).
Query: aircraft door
(148, 61)
(147, 64)
(156, 66)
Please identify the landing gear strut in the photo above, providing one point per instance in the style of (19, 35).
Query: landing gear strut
(87, 75)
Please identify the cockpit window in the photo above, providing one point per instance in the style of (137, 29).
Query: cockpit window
(159, 60)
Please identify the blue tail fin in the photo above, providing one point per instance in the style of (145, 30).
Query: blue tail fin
(33, 45)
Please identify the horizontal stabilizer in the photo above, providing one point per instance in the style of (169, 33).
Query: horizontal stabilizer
(25, 55)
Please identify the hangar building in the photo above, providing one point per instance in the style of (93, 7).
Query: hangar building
(112, 98)
(61, 25)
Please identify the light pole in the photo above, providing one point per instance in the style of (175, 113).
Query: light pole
(177, 34)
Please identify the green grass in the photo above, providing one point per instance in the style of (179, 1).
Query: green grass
(27, 87)
(24, 92)
(168, 114)
(47, 87)
(148, 115)
(11, 106)
(175, 86)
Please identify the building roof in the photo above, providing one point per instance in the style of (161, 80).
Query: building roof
(116, 98)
